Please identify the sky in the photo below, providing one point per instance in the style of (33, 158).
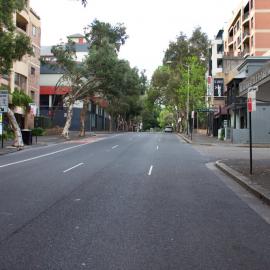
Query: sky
(151, 24)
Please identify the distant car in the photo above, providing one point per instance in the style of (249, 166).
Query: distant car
(168, 129)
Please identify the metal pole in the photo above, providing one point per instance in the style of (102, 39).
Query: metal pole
(197, 114)
(250, 144)
(2, 136)
(188, 102)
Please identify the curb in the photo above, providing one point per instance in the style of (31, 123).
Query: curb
(185, 138)
(245, 182)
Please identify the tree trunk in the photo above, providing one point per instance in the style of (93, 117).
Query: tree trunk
(111, 121)
(65, 132)
(18, 142)
(82, 116)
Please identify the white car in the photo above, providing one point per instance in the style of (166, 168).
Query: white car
(168, 129)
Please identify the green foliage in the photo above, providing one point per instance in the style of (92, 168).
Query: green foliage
(19, 98)
(84, 2)
(13, 46)
(38, 131)
(166, 118)
(8, 134)
(181, 77)
(102, 73)
(118, 83)
(99, 31)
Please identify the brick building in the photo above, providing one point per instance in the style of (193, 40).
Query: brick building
(248, 31)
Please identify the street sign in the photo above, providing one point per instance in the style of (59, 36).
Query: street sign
(251, 101)
(208, 110)
(3, 100)
(192, 114)
(251, 104)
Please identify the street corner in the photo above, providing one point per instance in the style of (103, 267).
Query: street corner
(260, 191)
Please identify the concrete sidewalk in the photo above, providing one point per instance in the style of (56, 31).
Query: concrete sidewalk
(48, 140)
(258, 183)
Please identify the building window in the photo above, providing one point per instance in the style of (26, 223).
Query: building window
(219, 63)
(20, 81)
(252, 22)
(33, 95)
(33, 71)
(34, 31)
(252, 41)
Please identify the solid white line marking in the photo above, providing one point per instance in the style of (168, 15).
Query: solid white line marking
(157, 147)
(56, 152)
(41, 156)
(80, 164)
(150, 170)
(115, 146)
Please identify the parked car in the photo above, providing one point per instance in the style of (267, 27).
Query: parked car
(168, 129)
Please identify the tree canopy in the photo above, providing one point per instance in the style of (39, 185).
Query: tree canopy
(12, 46)
(180, 78)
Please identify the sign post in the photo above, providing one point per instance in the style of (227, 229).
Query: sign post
(251, 104)
(1, 129)
(3, 108)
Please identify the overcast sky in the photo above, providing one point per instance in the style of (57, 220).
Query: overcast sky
(151, 24)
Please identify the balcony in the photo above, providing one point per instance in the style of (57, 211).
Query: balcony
(246, 52)
(21, 23)
(230, 40)
(246, 34)
(245, 16)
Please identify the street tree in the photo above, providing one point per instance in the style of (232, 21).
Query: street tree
(166, 118)
(182, 76)
(13, 46)
(75, 75)
(20, 99)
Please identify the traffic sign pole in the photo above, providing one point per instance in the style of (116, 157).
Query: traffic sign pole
(251, 105)
(250, 144)
(2, 130)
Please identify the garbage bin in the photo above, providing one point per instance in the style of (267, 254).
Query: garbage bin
(27, 136)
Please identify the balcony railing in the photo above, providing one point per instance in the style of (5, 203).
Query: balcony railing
(230, 39)
(246, 34)
(245, 16)
(246, 51)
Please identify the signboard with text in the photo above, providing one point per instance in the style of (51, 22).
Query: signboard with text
(208, 110)
(3, 100)
(218, 87)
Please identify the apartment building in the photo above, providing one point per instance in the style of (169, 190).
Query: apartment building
(248, 31)
(25, 73)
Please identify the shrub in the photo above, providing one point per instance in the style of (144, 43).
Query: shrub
(38, 131)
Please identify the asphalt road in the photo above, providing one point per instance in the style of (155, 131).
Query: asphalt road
(134, 201)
